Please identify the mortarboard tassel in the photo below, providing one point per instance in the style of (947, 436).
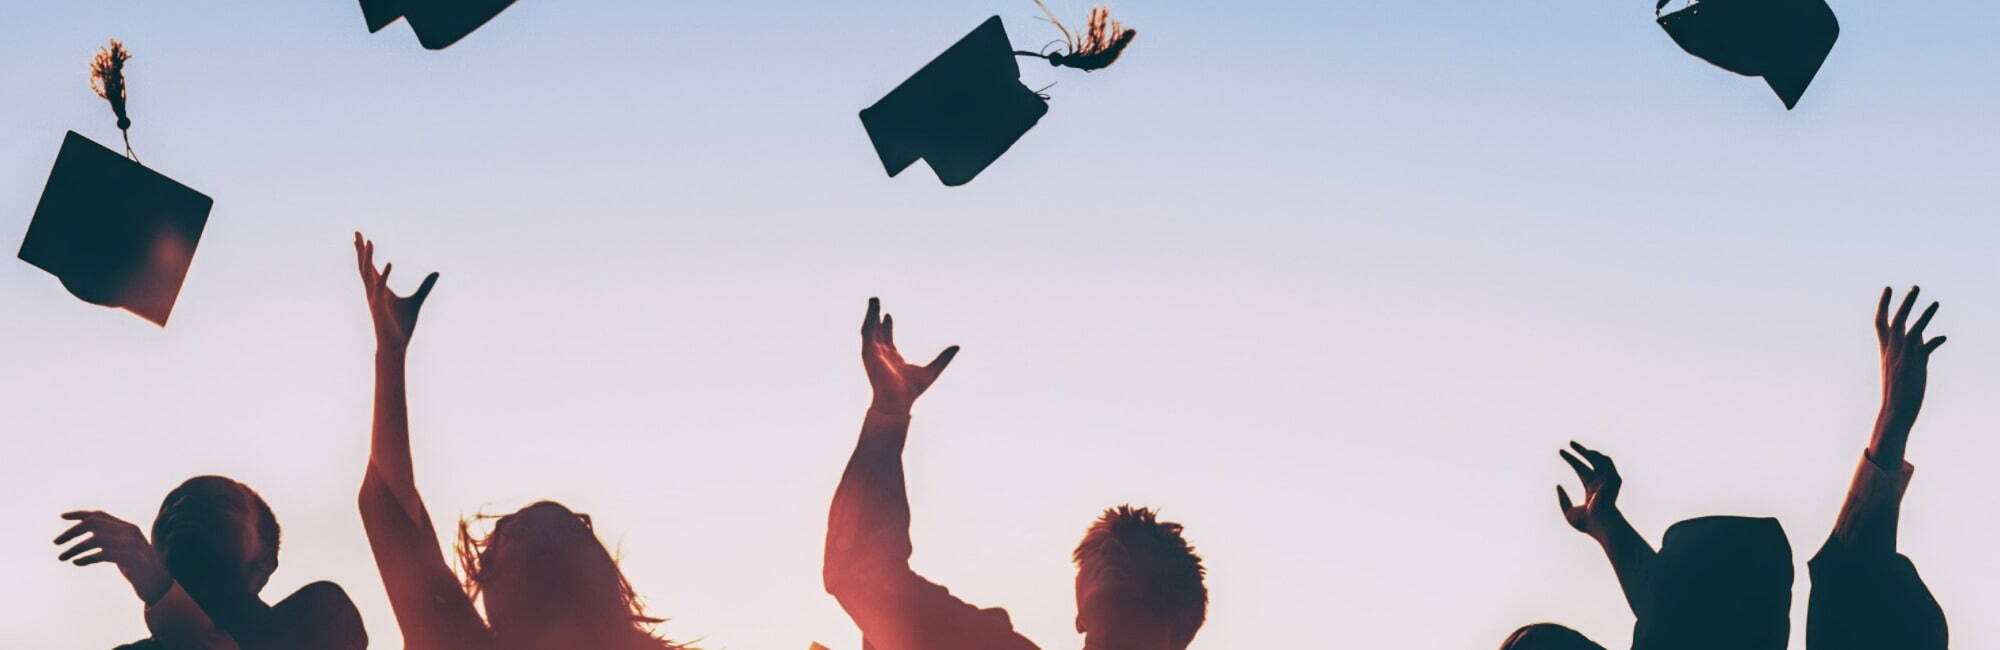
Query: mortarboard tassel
(1098, 47)
(107, 77)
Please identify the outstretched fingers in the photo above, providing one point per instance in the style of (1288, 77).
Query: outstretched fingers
(1882, 316)
(1903, 312)
(1917, 330)
(1582, 471)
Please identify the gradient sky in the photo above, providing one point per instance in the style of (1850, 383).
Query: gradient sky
(1327, 282)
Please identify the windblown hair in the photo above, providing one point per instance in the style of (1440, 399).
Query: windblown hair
(576, 572)
(1130, 555)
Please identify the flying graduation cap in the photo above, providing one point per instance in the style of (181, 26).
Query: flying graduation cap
(1783, 41)
(438, 23)
(965, 108)
(114, 232)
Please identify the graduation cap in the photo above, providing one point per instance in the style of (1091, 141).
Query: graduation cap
(959, 112)
(116, 233)
(438, 23)
(1783, 41)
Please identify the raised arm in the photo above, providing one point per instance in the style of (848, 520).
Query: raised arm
(1869, 515)
(174, 619)
(867, 562)
(431, 609)
(1598, 516)
(868, 527)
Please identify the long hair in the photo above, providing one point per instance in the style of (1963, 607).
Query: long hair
(548, 559)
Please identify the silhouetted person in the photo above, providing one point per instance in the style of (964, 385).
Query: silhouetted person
(1138, 583)
(214, 546)
(1718, 583)
(1548, 636)
(548, 583)
(1865, 595)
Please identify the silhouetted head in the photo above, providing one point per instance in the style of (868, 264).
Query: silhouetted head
(1548, 636)
(1138, 583)
(217, 538)
(1718, 583)
(548, 583)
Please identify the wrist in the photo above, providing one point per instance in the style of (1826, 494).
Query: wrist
(889, 407)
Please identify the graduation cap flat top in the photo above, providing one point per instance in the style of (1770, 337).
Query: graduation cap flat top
(116, 233)
(960, 112)
(1783, 41)
(438, 23)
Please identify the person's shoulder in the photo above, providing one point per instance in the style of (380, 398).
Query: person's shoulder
(323, 616)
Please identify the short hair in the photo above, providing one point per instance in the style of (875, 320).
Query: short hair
(1129, 552)
(1548, 636)
(201, 490)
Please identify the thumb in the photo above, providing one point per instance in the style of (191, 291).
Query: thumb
(1562, 499)
(425, 290)
(943, 359)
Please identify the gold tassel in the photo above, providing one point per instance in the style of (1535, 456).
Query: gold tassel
(107, 77)
(1102, 40)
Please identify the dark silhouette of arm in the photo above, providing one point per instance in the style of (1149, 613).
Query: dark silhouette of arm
(1599, 517)
(431, 609)
(867, 561)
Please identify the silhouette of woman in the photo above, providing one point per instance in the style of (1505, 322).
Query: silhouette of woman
(546, 580)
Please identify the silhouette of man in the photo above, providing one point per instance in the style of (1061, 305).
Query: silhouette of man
(1865, 595)
(1548, 636)
(1138, 583)
(1717, 583)
(214, 546)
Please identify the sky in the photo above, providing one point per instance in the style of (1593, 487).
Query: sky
(1329, 283)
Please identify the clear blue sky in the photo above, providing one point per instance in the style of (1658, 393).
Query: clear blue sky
(1328, 282)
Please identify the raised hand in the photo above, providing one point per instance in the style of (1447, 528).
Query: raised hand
(395, 316)
(1906, 359)
(897, 383)
(119, 542)
(1600, 490)
(1905, 354)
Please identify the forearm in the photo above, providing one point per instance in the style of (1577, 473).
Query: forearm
(1892, 433)
(389, 443)
(1629, 553)
(869, 521)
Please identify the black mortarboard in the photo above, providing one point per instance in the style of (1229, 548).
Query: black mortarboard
(1718, 583)
(1783, 41)
(960, 112)
(116, 233)
(438, 23)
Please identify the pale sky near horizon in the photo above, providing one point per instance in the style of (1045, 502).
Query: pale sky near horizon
(1329, 283)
